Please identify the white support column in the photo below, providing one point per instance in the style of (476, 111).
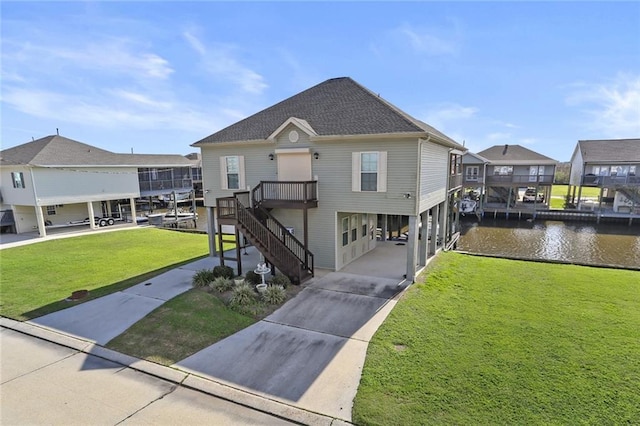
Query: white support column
(435, 212)
(211, 231)
(423, 253)
(443, 221)
(92, 223)
(412, 248)
(42, 230)
(134, 214)
(383, 232)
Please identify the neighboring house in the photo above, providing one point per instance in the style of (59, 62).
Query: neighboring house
(56, 181)
(196, 172)
(321, 172)
(513, 168)
(474, 169)
(612, 165)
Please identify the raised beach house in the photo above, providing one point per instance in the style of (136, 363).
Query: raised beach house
(311, 180)
(613, 166)
(58, 182)
(512, 172)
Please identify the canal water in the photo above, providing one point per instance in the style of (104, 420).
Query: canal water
(579, 242)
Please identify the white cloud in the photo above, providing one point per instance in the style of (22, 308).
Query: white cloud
(445, 114)
(496, 136)
(427, 42)
(135, 110)
(219, 61)
(107, 56)
(612, 108)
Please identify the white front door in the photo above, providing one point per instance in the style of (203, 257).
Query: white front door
(294, 166)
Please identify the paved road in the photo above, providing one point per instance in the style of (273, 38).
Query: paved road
(44, 383)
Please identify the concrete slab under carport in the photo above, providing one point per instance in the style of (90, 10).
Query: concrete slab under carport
(387, 260)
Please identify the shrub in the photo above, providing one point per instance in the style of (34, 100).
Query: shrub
(202, 278)
(223, 271)
(281, 280)
(242, 295)
(252, 278)
(222, 284)
(274, 295)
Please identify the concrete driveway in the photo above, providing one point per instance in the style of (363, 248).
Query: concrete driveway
(311, 351)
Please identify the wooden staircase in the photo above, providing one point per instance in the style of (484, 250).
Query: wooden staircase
(278, 246)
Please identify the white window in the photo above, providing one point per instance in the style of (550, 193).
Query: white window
(354, 227)
(232, 172)
(18, 179)
(51, 210)
(632, 170)
(345, 231)
(369, 171)
(472, 173)
(601, 170)
(503, 170)
(364, 225)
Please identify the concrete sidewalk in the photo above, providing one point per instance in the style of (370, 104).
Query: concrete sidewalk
(100, 320)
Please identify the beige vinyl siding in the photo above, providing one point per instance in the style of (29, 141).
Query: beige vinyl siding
(576, 169)
(333, 169)
(25, 218)
(282, 140)
(257, 167)
(19, 196)
(68, 186)
(433, 175)
(335, 194)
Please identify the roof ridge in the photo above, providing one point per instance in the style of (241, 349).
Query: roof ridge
(405, 116)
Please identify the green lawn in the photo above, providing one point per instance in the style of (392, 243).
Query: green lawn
(587, 192)
(180, 327)
(36, 278)
(492, 341)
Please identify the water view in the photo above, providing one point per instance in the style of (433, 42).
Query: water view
(588, 243)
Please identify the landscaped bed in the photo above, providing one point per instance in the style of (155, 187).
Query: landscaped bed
(200, 317)
(37, 278)
(492, 341)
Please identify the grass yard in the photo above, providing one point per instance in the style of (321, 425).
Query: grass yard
(181, 327)
(587, 192)
(36, 278)
(493, 341)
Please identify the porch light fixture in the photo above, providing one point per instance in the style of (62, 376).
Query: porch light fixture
(271, 156)
(316, 155)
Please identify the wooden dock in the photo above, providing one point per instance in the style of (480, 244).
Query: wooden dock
(562, 215)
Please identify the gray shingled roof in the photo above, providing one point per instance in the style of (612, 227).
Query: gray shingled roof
(338, 106)
(610, 150)
(514, 154)
(60, 151)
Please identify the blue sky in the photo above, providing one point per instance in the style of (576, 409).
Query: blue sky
(157, 76)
